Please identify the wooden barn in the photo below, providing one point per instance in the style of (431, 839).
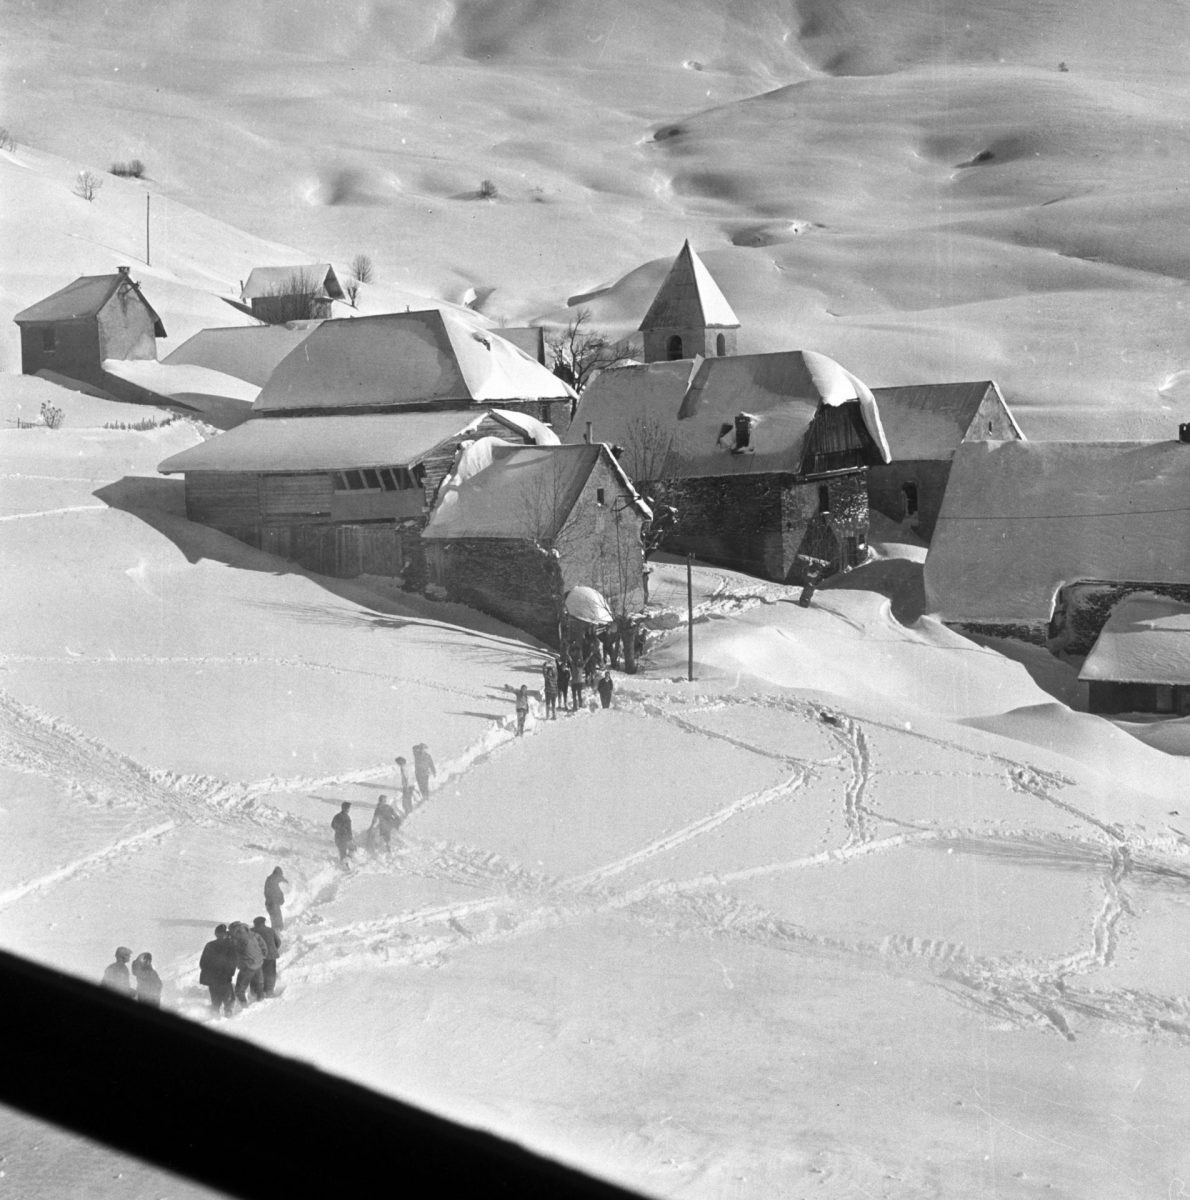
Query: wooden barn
(1140, 662)
(348, 441)
(279, 294)
(925, 424)
(764, 456)
(1041, 540)
(97, 317)
(516, 527)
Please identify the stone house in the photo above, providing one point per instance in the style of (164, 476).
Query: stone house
(517, 527)
(97, 317)
(764, 456)
(349, 439)
(924, 424)
(1140, 662)
(1040, 540)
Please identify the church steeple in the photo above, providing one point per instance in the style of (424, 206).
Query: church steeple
(689, 315)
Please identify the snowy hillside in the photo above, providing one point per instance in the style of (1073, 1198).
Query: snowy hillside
(867, 909)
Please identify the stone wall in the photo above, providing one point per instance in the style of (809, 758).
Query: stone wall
(1082, 608)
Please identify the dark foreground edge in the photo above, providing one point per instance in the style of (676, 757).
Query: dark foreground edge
(234, 1117)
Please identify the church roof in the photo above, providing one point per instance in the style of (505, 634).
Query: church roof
(689, 298)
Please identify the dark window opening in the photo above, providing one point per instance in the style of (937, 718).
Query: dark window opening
(824, 498)
(852, 550)
(355, 480)
(743, 431)
(599, 496)
(721, 345)
(673, 348)
(910, 491)
(49, 341)
(371, 479)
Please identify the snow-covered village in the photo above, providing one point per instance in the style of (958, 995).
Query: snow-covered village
(597, 599)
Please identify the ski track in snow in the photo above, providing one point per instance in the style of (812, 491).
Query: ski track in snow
(515, 902)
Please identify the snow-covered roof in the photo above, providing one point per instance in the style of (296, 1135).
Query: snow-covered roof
(405, 358)
(268, 444)
(501, 490)
(179, 382)
(694, 399)
(272, 281)
(929, 420)
(689, 297)
(1021, 519)
(249, 352)
(84, 298)
(1145, 640)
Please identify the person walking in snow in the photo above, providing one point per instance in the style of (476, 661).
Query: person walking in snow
(563, 673)
(274, 898)
(148, 982)
(406, 787)
(576, 686)
(344, 838)
(249, 962)
(217, 968)
(549, 674)
(423, 769)
(522, 708)
(605, 688)
(272, 950)
(116, 976)
(385, 823)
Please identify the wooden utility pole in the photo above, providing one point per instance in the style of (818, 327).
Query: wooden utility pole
(148, 260)
(690, 615)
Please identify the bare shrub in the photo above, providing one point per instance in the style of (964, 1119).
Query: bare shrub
(487, 190)
(141, 426)
(299, 298)
(578, 351)
(7, 141)
(51, 415)
(87, 185)
(133, 169)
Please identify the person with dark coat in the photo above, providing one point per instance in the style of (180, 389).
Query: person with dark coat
(344, 838)
(406, 787)
(148, 982)
(563, 668)
(522, 708)
(272, 951)
(274, 898)
(249, 962)
(385, 822)
(116, 976)
(605, 688)
(423, 768)
(217, 968)
(549, 674)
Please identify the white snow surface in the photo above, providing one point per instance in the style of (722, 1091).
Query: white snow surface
(1146, 639)
(862, 910)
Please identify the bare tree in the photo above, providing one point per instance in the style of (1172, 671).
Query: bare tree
(650, 461)
(363, 269)
(579, 351)
(87, 184)
(299, 298)
(543, 521)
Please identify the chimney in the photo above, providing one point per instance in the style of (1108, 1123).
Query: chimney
(588, 436)
(1183, 431)
(123, 270)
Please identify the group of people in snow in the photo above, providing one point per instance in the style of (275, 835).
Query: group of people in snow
(141, 983)
(562, 677)
(241, 960)
(386, 820)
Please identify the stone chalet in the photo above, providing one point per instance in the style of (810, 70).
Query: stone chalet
(97, 317)
(516, 527)
(925, 424)
(1040, 540)
(340, 461)
(764, 456)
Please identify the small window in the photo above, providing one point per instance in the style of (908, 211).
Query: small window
(721, 345)
(388, 479)
(743, 431)
(355, 481)
(852, 550)
(824, 498)
(910, 492)
(49, 341)
(673, 348)
(337, 480)
(599, 497)
(371, 479)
